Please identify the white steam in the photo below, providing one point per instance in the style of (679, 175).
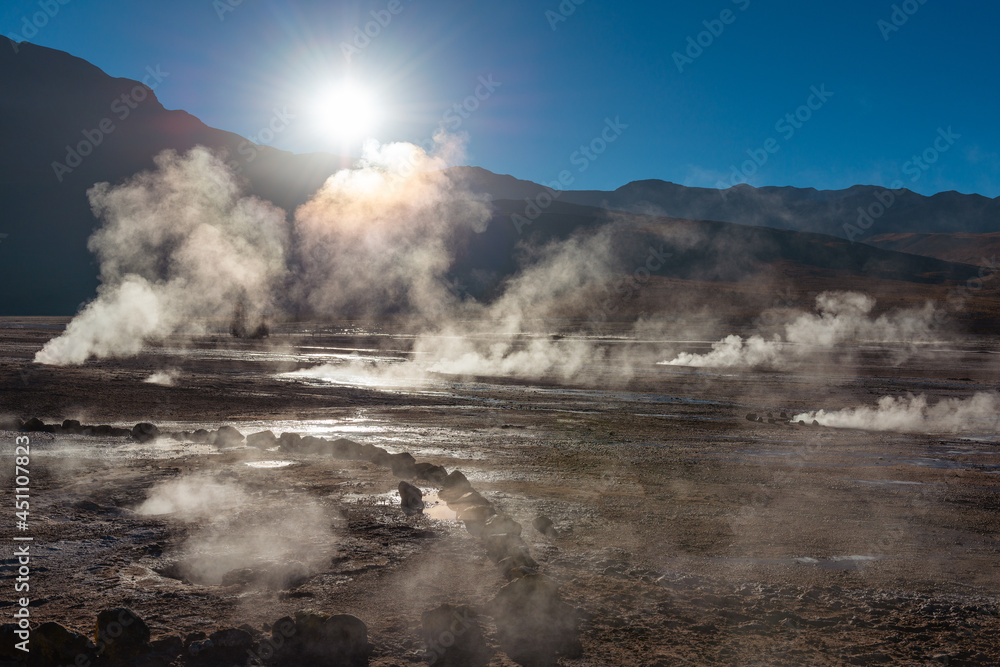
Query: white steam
(914, 414)
(842, 318)
(180, 245)
(166, 378)
(236, 531)
(375, 240)
(192, 498)
(177, 245)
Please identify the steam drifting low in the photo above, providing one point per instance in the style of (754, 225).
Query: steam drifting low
(842, 317)
(915, 414)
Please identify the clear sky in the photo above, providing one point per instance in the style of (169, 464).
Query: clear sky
(922, 84)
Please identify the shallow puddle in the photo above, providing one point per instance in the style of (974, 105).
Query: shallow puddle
(268, 464)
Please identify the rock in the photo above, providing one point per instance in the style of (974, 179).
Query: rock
(514, 567)
(168, 648)
(36, 425)
(289, 442)
(751, 417)
(195, 636)
(8, 639)
(334, 640)
(544, 525)
(54, 644)
(815, 423)
(403, 465)
(431, 473)
(456, 481)
(202, 437)
(310, 444)
(262, 440)
(72, 426)
(227, 436)
(501, 525)
(411, 498)
(453, 637)
(480, 513)
(535, 626)
(121, 634)
(373, 454)
(228, 646)
(784, 415)
(470, 499)
(499, 547)
(145, 432)
(346, 449)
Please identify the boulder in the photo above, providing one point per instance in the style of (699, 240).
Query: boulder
(535, 626)
(403, 465)
(501, 525)
(453, 637)
(514, 567)
(411, 498)
(228, 646)
(373, 454)
(544, 525)
(499, 547)
(470, 499)
(54, 644)
(36, 425)
(752, 417)
(8, 639)
(310, 444)
(430, 473)
(456, 481)
(480, 513)
(227, 436)
(121, 634)
(346, 449)
(145, 432)
(289, 442)
(262, 440)
(202, 437)
(335, 640)
(72, 426)
(167, 648)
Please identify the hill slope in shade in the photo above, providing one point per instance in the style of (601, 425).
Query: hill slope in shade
(50, 100)
(977, 249)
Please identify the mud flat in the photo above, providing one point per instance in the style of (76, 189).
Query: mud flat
(682, 532)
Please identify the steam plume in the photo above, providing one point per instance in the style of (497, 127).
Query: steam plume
(177, 244)
(842, 317)
(914, 414)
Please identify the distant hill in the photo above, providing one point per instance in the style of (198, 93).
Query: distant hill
(978, 249)
(50, 100)
(857, 213)
(734, 270)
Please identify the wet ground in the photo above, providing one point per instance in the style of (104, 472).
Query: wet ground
(686, 534)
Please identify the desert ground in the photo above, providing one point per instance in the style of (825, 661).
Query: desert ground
(683, 533)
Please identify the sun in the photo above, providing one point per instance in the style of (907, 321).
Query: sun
(346, 113)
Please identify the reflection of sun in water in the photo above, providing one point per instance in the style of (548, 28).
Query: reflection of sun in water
(347, 113)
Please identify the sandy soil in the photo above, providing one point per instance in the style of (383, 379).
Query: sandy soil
(687, 534)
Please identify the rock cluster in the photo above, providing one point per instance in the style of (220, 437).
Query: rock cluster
(122, 638)
(535, 625)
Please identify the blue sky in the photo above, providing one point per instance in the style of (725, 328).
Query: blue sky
(890, 92)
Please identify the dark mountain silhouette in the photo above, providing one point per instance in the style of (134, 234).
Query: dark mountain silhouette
(857, 213)
(979, 249)
(54, 106)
